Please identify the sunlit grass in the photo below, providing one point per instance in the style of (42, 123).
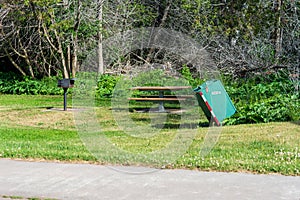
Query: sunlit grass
(261, 148)
(29, 130)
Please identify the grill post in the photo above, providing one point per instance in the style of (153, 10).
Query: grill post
(65, 98)
(65, 84)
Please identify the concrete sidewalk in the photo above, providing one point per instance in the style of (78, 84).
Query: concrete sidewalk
(85, 181)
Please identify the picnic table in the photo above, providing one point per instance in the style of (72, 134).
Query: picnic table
(161, 97)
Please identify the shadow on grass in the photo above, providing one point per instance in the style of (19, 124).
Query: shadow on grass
(172, 114)
(203, 124)
(177, 126)
(45, 107)
(296, 122)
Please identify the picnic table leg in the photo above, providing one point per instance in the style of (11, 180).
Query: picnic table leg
(161, 107)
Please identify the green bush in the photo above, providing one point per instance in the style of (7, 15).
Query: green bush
(187, 75)
(106, 85)
(14, 84)
(263, 100)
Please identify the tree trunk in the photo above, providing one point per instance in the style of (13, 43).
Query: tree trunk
(162, 22)
(14, 63)
(100, 48)
(278, 31)
(69, 56)
(62, 57)
(27, 60)
(74, 58)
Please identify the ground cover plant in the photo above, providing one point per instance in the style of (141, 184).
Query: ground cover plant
(258, 99)
(31, 130)
(267, 98)
(12, 83)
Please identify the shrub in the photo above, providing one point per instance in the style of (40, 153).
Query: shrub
(193, 81)
(265, 100)
(14, 84)
(106, 85)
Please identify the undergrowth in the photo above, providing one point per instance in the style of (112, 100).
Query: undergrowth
(268, 98)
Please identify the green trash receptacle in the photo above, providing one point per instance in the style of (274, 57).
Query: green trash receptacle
(214, 101)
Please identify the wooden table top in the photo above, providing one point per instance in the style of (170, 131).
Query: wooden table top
(160, 88)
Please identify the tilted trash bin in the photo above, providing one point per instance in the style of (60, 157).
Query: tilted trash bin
(214, 101)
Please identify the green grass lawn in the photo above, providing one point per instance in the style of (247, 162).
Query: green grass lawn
(30, 130)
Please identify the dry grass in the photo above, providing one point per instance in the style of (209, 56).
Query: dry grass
(37, 117)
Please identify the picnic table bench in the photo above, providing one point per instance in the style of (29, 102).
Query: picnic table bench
(161, 98)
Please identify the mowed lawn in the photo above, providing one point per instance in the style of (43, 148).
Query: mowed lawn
(36, 128)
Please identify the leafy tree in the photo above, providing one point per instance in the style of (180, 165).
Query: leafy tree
(49, 37)
(46, 35)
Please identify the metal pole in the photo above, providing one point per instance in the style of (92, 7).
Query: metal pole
(65, 98)
(161, 107)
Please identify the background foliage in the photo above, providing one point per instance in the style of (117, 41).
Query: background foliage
(10, 83)
(254, 43)
(264, 99)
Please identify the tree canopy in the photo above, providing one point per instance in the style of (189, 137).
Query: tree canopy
(52, 37)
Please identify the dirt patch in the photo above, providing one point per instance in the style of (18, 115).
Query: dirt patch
(38, 118)
(4, 108)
